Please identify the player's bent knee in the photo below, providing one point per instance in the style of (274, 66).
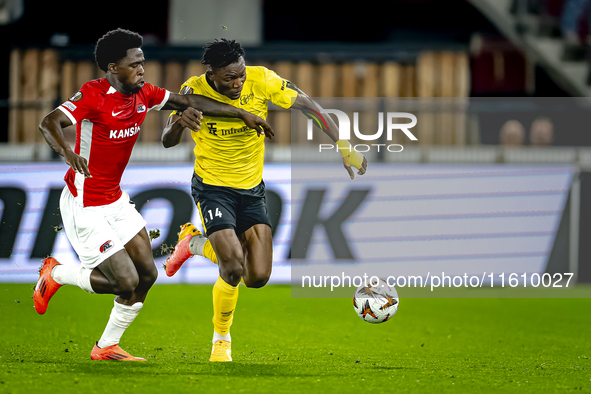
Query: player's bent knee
(257, 283)
(147, 279)
(125, 287)
(231, 262)
(257, 276)
(234, 275)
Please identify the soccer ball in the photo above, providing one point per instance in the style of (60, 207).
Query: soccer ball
(376, 302)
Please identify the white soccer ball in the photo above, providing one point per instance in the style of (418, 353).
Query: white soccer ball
(376, 302)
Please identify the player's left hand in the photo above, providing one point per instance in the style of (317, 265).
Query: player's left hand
(259, 124)
(356, 160)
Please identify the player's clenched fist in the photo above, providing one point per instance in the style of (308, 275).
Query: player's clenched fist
(192, 119)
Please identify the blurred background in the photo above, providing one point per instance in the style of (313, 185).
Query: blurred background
(491, 81)
(402, 48)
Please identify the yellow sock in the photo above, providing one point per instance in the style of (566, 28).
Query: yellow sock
(209, 252)
(225, 298)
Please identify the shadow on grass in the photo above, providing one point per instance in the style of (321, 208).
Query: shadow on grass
(234, 369)
(238, 368)
(392, 368)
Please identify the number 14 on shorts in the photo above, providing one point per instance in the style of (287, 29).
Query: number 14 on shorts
(217, 213)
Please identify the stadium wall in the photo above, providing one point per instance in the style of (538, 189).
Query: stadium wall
(404, 218)
(41, 79)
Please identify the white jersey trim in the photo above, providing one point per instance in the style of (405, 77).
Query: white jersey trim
(85, 145)
(68, 114)
(159, 106)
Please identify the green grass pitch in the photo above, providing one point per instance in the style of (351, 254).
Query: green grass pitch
(281, 344)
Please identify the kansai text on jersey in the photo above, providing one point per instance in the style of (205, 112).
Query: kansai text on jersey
(128, 132)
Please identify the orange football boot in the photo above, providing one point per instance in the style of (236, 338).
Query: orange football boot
(46, 286)
(113, 352)
(181, 251)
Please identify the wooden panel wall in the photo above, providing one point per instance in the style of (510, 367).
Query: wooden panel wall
(39, 81)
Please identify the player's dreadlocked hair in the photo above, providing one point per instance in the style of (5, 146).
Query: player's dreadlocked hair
(221, 53)
(113, 46)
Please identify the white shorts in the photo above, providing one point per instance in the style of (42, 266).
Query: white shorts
(97, 233)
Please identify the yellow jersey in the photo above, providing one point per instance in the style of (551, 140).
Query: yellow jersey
(227, 152)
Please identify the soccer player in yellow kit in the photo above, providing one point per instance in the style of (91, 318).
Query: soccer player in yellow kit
(227, 184)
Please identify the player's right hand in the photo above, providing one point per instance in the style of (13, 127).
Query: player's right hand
(191, 119)
(78, 163)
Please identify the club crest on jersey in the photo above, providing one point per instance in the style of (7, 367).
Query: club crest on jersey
(246, 98)
(76, 97)
(141, 108)
(106, 246)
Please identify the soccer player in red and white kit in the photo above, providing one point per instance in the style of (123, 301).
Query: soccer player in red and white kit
(101, 222)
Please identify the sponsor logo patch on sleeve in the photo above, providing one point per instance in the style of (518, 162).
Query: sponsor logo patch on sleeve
(69, 106)
(76, 97)
(187, 90)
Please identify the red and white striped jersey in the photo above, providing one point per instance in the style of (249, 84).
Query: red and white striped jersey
(107, 126)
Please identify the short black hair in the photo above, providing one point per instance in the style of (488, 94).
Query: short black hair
(222, 52)
(113, 46)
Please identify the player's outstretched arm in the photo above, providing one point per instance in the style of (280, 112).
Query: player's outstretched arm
(313, 111)
(52, 127)
(214, 108)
